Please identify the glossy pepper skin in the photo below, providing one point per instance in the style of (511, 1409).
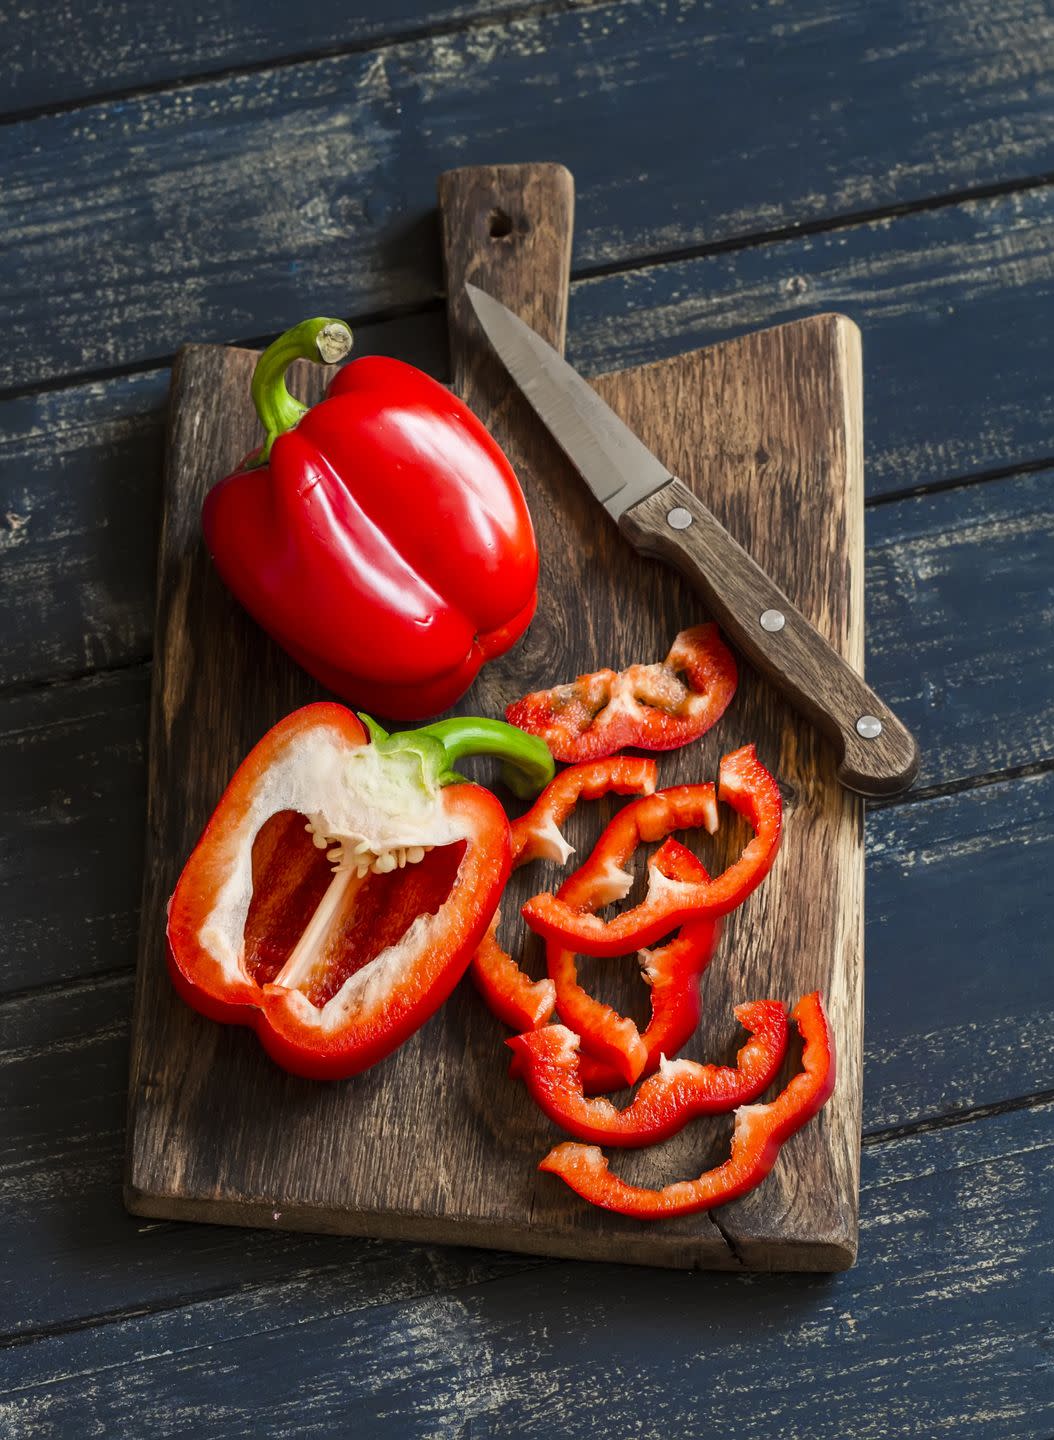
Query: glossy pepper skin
(516, 999)
(568, 917)
(664, 1104)
(760, 1132)
(614, 1051)
(380, 536)
(342, 885)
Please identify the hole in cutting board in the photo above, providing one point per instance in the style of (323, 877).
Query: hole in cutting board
(499, 225)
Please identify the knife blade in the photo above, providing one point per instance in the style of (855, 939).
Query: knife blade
(661, 516)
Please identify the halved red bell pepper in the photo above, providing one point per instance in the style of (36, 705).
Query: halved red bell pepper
(650, 707)
(380, 536)
(664, 1104)
(615, 1052)
(568, 917)
(759, 1133)
(514, 997)
(337, 894)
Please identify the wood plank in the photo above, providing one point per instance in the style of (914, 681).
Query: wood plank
(80, 473)
(68, 1249)
(954, 887)
(958, 605)
(765, 410)
(930, 292)
(132, 226)
(80, 501)
(956, 1228)
(74, 803)
(970, 676)
(59, 56)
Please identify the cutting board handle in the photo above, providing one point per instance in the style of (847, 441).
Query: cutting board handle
(507, 229)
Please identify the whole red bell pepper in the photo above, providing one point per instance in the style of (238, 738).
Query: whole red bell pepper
(340, 889)
(664, 1104)
(615, 1052)
(380, 536)
(649, 707)
(760, 1131)
(568, 917)
(512, 995)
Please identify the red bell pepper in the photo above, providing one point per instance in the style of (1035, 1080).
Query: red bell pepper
(512, 995)
(381, 536)
(649, 707)
(567, 918)
(337, 894)
(759, 1133)
(616, 1052)
(664, 1104)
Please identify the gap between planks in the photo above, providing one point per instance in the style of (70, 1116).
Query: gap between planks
(16, 1340)
(436, 30)
(506, 1265)
(17, 688)
(653, 260)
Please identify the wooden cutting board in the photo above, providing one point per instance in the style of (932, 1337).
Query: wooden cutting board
(437, 1143)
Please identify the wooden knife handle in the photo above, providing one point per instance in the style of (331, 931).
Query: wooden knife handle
(675, 525)
(507, 229)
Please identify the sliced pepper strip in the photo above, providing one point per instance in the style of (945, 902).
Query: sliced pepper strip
(650, 707)
(514, 997)
(616, 1052)
(568, 917)
(667, 1101)
(760, 1131)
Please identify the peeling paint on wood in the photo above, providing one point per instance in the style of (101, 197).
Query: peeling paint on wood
(960, 991)
(234, 206)
(81, 466)
(99, 46)
(956, 1234)
(951, 305)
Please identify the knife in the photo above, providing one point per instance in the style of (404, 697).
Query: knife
(660, 516)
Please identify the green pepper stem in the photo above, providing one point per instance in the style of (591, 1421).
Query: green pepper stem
(528, 764)
(322, 340)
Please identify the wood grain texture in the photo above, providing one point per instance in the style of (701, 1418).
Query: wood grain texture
(508, 229)
(957, 1234)
(767, 432)
(216, 675)
(69, 1251)
(129, 226)
(80, 467)
(930, 292)
(99, 46)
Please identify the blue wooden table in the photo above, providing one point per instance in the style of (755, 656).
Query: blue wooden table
(167, 175)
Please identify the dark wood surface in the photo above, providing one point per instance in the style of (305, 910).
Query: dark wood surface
(736, 168)
(203, 1143)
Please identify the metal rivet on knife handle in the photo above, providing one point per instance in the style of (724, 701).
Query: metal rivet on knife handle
(660, 516)
(777, 638)
(869, 726)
